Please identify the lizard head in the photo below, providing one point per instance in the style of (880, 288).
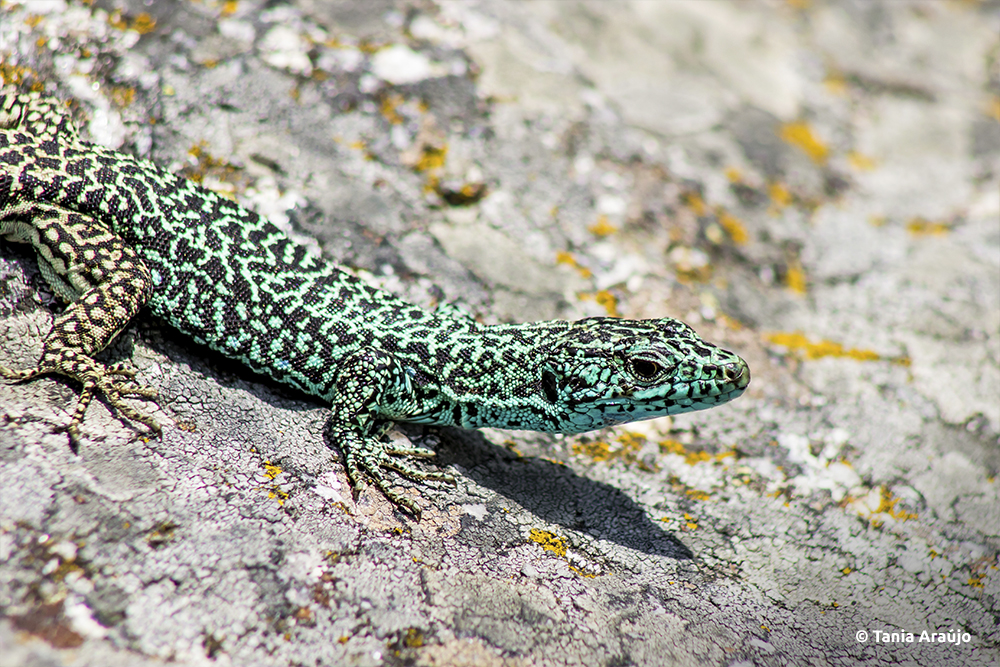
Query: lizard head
(602, 371)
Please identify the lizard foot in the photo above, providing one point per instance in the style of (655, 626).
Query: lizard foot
(368, 457)
(112, 382)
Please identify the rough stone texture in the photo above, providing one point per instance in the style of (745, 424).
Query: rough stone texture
(813, 184)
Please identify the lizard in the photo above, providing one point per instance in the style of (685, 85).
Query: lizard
(114, 234)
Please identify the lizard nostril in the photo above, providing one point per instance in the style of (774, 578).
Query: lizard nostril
(737, 373)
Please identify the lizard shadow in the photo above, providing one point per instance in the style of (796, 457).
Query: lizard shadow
(552, 492)
(558, 495)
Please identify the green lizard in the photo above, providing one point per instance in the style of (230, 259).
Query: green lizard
(114, 233)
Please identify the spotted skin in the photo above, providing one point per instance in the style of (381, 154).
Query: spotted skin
(114, 233)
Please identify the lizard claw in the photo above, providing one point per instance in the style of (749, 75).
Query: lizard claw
(368, 457)
(112, 382)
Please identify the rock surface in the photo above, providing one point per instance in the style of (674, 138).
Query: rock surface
(815, 185)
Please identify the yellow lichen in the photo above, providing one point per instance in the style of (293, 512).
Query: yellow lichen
(142, 24)
(431, 158)
(737, 232)
(271, 471)
(697, 494)
(388, 108)
(17, 74)
(600, 451)
(691, 458)
(795, 277)
(835, 83)
(798, 343)
(413, 638)
(567, 258)
(695, 203)
(888, 506)
(604, 298)
(281, 496)
(860, 161)
(602, 227)
(921, 227)
(800, 135)
(993, 108)
(608, 300)
(122, 96)
(162, 534)
(780, 196)
(548, 541)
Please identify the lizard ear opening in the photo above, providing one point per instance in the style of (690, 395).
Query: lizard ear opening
(549, 385)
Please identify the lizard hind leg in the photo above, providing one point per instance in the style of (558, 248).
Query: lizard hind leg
(113, 284)
(63, 355)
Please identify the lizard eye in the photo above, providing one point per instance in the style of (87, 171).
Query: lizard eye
(645, 369)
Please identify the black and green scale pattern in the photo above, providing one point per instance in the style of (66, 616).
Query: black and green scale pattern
(114, 233)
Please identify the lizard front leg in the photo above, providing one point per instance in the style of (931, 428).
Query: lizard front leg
(373, 388)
